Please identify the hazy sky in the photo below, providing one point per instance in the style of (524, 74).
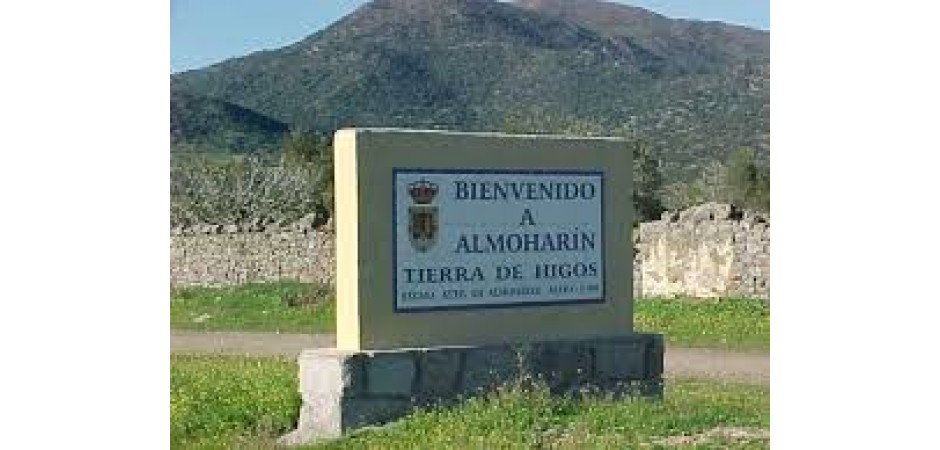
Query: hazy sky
(203, 32)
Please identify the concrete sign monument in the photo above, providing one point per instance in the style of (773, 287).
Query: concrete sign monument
(467, 259)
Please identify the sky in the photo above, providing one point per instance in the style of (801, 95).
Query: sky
(204, 32)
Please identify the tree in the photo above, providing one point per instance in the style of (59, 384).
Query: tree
(300, 148)
(324, 175)
(647, 183)
(312, 154)
(712, 183)
(748, 181)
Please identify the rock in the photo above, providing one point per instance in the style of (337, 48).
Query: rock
(390, 373)
(709, 212)
(210, 229)
(440, 372)
(307, 222)
(330, 373)
(710, 250)
(563, 366)
(486, 367)
(620, 361)
(670, 216)
(202, 318)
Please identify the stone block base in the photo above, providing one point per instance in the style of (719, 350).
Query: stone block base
(343, 390)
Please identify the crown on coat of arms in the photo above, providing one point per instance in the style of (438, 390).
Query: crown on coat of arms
(422, 192)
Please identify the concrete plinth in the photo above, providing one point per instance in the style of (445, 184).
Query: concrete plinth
(344, 390)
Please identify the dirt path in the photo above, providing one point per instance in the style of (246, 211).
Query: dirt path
(749, 367)
(244, 343)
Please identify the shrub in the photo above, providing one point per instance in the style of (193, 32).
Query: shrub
(204, 191)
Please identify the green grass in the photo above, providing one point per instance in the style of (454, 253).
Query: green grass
(230, 399)
(525, 420)
(736, 324)
(236, 402)
(740, 324)
(287, 307)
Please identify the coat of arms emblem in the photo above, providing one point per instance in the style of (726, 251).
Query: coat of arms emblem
(422, 216)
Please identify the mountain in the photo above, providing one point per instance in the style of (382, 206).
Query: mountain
(693, 90)
(682, 45)
(204, 124)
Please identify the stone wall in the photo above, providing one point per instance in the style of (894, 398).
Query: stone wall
(214, 257)
(711, 250)
(707, 251)
(342, 391)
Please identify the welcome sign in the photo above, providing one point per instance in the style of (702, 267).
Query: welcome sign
(450, 238)
(497, 238)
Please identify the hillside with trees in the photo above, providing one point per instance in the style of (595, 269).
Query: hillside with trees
(695, 91)
(205, 125)
(693, 96)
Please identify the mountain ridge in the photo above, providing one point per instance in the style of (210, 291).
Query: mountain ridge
(693, 90)
(201, 124)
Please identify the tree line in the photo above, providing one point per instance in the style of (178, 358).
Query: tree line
(300, 182)
(741, 180)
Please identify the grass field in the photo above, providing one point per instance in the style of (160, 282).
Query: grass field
(740, 324)
(236, 402)
(737, 324)
(286, 307)
(226, 399)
